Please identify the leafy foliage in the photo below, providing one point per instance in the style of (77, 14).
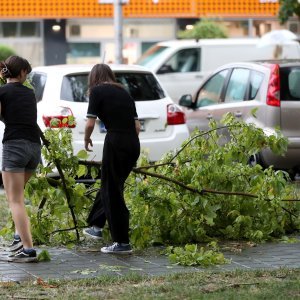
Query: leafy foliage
(206, 190)
(5, 52)
(288, 8)
(204, 29)
(58, 207)
(196, 211)
(44, 256)
(191, 255)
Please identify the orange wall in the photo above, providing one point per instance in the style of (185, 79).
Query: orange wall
(10, 9)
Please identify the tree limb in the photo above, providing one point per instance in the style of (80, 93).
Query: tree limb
(61, 174)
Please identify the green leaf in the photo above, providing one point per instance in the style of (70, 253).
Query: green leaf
(254, 111)
(82, 154)
(44, 256)
(82, 170)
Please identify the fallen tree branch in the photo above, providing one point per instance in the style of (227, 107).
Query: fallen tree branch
(61, 174)
(203, 191)
(67, 229)
(141, 170)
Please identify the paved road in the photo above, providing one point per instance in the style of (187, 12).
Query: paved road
(86, 263)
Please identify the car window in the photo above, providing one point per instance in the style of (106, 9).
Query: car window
(38, 81)
(141, 86)
(151, 55)
(256, 79)
(210, 93)
(290, 83)
(74, 88)
(183, 61)
(237, 85)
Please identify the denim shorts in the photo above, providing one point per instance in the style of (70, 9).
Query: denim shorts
(20, 156)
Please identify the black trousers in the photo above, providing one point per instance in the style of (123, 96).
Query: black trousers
(120, 153)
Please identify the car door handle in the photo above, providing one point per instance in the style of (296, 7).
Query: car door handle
(209, 116)
(238, 114)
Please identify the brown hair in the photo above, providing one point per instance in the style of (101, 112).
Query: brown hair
(101, 73)
(13, 65)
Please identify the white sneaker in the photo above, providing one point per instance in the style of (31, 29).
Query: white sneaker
(117, 248)
(92, 233)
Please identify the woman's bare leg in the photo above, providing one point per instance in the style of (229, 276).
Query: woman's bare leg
(14, 187)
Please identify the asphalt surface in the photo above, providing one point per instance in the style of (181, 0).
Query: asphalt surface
(87, 262)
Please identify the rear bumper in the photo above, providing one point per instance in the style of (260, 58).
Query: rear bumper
(155, 148)
(289, 160)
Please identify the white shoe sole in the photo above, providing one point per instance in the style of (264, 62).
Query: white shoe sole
(23, 260)
(92, 236)
(104, 250)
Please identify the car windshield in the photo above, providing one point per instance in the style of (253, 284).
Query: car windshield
(141, 86)
(151, 55)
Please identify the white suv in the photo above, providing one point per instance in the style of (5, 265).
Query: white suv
(181, 65)
(62, 90)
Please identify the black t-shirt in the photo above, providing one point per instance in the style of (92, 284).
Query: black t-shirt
(19, 112)
(113, 106)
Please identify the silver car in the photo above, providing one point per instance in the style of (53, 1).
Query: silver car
(273, 87)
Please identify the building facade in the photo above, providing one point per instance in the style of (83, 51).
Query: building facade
(78, 31)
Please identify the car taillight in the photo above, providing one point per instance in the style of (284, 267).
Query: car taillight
(273, 93)
(175, 115)
(60, 117)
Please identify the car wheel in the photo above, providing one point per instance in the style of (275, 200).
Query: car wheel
(255, 159)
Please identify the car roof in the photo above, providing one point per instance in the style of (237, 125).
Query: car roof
(261, 63)
(225, 41)
(280, 62)
(74, 68)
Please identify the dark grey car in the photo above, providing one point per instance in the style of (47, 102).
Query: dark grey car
(273, 87)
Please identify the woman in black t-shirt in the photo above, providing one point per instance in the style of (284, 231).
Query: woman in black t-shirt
(111, 103)
(21, 150)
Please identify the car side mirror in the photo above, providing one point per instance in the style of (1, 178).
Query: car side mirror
(165, 69)
(186, 100)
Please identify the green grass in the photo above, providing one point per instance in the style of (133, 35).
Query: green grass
(280, 284)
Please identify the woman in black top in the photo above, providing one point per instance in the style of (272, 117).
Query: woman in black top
(111, 103)
(21, 149)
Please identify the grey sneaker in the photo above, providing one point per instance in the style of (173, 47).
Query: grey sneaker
(23, 256)
(16, 244)
(92, 233)
(117, 248)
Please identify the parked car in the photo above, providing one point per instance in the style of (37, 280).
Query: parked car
(181, 64)
(273, 87)
(62, 90)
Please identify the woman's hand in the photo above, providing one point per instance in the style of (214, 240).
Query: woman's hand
(88, 142)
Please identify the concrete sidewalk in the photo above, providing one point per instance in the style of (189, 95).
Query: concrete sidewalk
(89, 262)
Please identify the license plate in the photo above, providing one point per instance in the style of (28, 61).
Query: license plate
(103, 129)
